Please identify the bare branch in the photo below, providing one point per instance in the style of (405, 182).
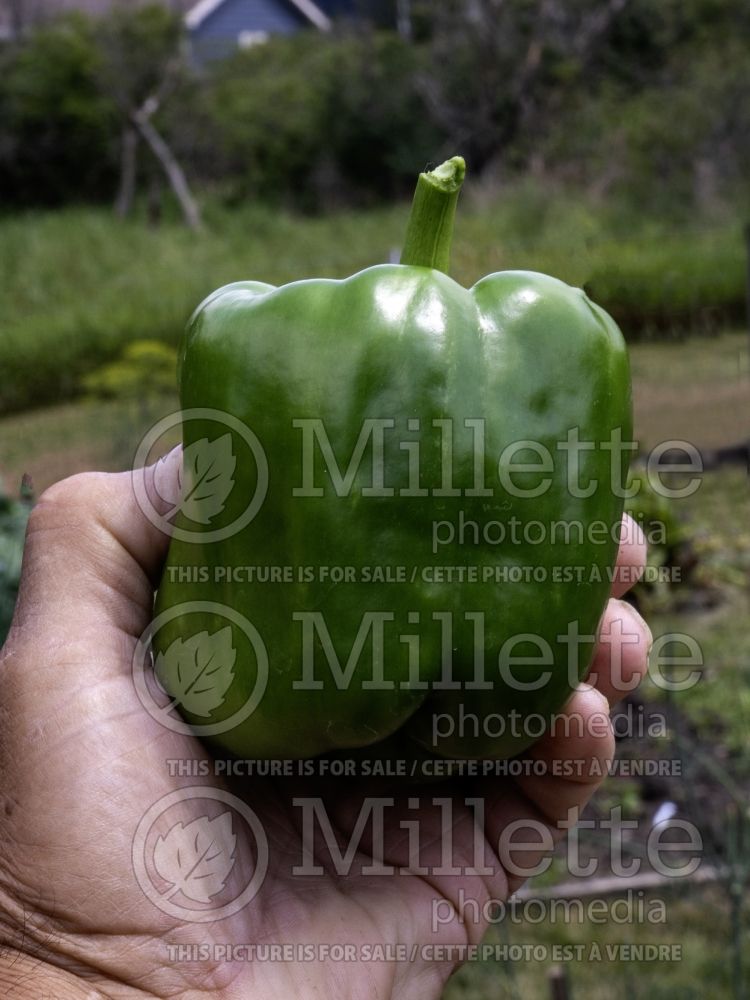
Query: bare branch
(141, 119)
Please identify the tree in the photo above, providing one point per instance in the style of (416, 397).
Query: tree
(499, 65)
(141, 67)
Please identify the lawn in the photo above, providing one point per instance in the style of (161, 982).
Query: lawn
(694, 391)
(55, 442)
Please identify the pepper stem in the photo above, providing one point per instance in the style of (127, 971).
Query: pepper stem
(430, 230)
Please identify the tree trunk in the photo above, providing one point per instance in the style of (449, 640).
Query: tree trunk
(170, 166)
(128, 163)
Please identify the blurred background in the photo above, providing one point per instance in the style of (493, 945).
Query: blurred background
(152, 152)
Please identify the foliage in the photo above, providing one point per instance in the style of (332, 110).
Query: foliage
(298, 118)
(587, 83)
(648, 100)
(269, 109)
(668, 282)
(669, 147)
(657, 517)
(380, 145)
(63, 93)
(135, 47)
(55, 126)
(145, 370)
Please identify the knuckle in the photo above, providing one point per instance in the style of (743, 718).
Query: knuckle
(64, 500)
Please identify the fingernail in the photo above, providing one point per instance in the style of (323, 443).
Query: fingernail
(633, 533)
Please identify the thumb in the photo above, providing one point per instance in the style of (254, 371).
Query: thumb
(93, 554)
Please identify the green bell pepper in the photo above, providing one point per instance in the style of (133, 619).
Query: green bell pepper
(411, 531)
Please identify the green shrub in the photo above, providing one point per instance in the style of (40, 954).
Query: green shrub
(57, 131)
(268, 105)
(378, 128)
(657, 277)
(305, 117)
(671, 285)
(145, 370)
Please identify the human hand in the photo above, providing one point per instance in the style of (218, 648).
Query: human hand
(82, 763)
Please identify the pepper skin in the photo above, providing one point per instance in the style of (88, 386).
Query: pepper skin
(446, 664)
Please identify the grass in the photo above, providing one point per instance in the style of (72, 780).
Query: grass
(50, 444)
(693, 391)
(77, 285)
(700, 970)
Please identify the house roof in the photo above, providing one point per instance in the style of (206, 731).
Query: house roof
(307, 8)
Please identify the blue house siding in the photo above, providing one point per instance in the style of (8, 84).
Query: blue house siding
(218, 35)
